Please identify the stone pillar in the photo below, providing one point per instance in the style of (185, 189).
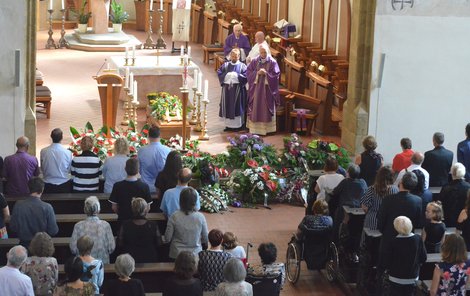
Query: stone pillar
(100, 15)
(356, 108)
(30, 79)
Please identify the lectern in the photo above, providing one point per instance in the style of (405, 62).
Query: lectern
(109, 88)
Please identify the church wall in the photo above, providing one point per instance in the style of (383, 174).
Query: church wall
(425, 75)
(13, 20)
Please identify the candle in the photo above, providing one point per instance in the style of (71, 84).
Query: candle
(196, 76)
(127, 78)
(206, 89)
(127, 52)
(161, 4)
(189, 51)
(131, 84)
(63, 6)
(199, 82)
(135, 92)
(182, 51)
(133, 51)
(151, 4)
(51, 4)
(107, 66)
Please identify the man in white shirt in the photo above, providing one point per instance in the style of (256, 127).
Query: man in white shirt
(416, 160)
(254, 52)
(12, 281)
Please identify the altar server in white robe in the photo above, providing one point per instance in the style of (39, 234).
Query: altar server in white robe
(254, 52)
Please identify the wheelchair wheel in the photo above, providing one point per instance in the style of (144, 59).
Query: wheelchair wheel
(332, 265)
(292, 263)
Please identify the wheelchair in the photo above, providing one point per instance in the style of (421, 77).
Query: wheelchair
(317, 250)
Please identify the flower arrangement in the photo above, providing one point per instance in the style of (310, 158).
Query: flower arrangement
(294, 151)
(248, 146)
(101, 145)
(164, 106)
(214, 199)
(176, 141)
(320, 150)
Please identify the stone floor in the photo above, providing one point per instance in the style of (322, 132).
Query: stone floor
(69, 75)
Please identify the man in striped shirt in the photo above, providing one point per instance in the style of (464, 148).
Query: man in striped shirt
(86, 168)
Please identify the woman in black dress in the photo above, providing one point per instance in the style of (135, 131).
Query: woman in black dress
(183, 283)
(369, 161)
(140, 237)
(124, 285)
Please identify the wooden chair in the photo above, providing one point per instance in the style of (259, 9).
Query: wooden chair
(43, 100)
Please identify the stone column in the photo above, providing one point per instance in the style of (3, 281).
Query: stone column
(356, 108)
(100, 15)
(30, 77)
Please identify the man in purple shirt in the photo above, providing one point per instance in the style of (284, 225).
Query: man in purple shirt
(19, 168)
(237, 40)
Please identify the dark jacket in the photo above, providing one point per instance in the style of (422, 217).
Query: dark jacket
(411, 253)
(438, 163)
(453, 197)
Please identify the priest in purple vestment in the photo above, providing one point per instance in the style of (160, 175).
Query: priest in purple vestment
(263, 93)
(237, 40)
(232, 78)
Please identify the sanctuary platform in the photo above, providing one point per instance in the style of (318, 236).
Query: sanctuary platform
(111, 41)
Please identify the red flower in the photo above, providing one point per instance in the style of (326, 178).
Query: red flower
(468, 271)
(132, 149)
(266, 167)
(252, 163)
(446, 275)
(76, 136)
(271, 185)
(284, 171)
(264, 175)
(110, 153)
(133, 138)
(95, 149)
(145, 131)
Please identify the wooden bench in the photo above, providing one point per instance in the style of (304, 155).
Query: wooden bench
(209, 50)
(43, 100)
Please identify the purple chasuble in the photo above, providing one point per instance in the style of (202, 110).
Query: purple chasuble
(233, 42)
(234, 97)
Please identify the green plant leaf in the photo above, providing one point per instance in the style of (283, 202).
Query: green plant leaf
(88, 127)
(74, 132)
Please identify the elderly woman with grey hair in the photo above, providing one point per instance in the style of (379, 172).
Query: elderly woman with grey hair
(234, 285)
(114, 166)
(124, 285)
(98, 230)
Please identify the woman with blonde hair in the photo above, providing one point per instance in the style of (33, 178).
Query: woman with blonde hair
(114, 166)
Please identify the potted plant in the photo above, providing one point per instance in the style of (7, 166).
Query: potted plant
(82, 17)
(118, 16)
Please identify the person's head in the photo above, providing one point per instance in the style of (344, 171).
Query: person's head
(86, 144)
(17, 256)
(320, 207)
(259, 37)
(22, 143)
(85, 245)
(369, 143)
(405, 143)
(188, 198)
(467, 130)
(331, 165)
(434, 211)
(237, 30)
(184, 176)
(409, 181)
(263, 53)
(458, 171)
(121, 146)
(383, 179)
(354, 171)
(216, 237)
(56, 135)
(173, 164)
(267, 252)
(438, 139)
(41, 245)
(154, 133)
(124, 265)
(234, 271)
(73, 269)
(234, 55)
(454, 250)
(403, 225)
(140, 207)
(36, 185)
(185, 265)
(92, 206)
(230, 240)
(417, 158)
(132, 166)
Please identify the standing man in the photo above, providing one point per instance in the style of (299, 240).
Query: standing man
(32, 215)
(254, 52)
(438, 162)
(237, 40)
(19, 168)
(12, 281)
(263, 94)
(232, 78)
(55, 165)
(416, 164)
(171, 198)
(152, 158)
(463, 152)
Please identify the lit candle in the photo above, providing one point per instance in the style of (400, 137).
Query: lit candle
(151, 4)
(206, 89)
(189, 51)
(199, 82)
(51, 4)
(63, 6)
(127, 78)
(161, 4)
(135, 92)
(131, 84)
(182, 50)
(196, 76)
(127, 52)
(133, 51)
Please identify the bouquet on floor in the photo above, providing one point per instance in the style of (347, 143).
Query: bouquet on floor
(320, 150)
(249, 146)
(214, 199)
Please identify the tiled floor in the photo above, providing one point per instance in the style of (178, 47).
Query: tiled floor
(69, 75)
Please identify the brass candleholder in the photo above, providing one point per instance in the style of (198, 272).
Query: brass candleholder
(204, 136)
(126, 61)
(198, 126)
(160, 42)
(50, 42)
(62, 42)
(181, 61)
(149, 42)
(135, 104)
(193, 119)
(125, 118)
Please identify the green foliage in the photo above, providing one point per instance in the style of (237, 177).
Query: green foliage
(118, 15)
(82, 16)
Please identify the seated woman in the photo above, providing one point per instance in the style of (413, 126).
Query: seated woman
(187, 228)
(231, 246)
(98, 230)
(73, 286)
(93, 269)
(234, 284)
(184, 283)
(114, 166)
(140, 237)
(268, 254)
(451, 275)
(212, 261)
(40, 266)
(124, 285)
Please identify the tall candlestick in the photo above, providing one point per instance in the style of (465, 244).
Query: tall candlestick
(127, 78)
(133, 51)
(51, 5)
(151, 4)
(63, 6)
(189, 51)
(161, 4)
(206, 89)
(199, 82)
(182, 51)
(196, 76)
(127, 52)
(131, 84)
(135, 92)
